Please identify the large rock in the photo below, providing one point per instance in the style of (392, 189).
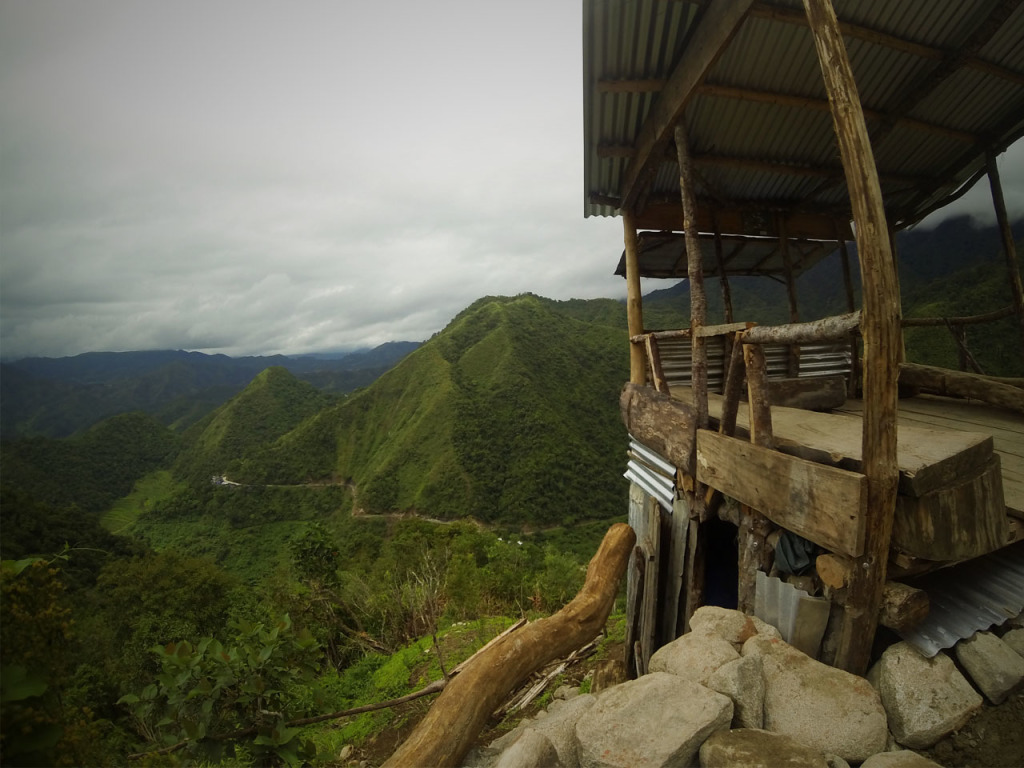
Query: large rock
(733, 626)
(741, 680)
(825, 708)
(694, 656)
(902, 758)
(994, 666)
(531, 750)
(560, 726)
(1015, 639)
(753, 748)
(657, 720)
(924, 698)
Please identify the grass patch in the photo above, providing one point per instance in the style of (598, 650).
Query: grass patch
(147, 492)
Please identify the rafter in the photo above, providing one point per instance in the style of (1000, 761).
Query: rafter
(716, 27)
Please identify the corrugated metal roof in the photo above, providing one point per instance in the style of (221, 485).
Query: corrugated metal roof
(663, 254)
(919, 87)
(970, 597)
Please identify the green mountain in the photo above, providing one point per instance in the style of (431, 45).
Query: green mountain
(91, 470)
(273, 403)
(508, 414)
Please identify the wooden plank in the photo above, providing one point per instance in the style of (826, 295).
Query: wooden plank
(821, 503)
(1006, 430)
(694, 569)
(817, 393)
(962, 521)
(664, 425)
(714, 30)
(927, 458)
(675, 576)
(650, 545)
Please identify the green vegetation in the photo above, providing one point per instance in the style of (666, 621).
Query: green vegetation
(147, 492)
(358, 546)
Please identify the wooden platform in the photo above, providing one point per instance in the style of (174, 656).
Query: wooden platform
(1005, 427)
(956, 459)
(929, 456)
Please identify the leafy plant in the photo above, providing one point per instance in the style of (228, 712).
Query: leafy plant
(208, 694)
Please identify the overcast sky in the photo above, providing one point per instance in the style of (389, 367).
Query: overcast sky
(260, 177)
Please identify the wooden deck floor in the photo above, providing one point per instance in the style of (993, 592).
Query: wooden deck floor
(1005, 427)
(937, 434)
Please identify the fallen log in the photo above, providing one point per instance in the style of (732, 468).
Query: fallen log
(940, 381)
(445, 734)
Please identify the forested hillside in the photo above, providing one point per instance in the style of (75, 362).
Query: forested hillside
(506, 415)
(469, 483)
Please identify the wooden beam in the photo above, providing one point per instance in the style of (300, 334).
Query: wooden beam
(941, 381)
(1009, 248)
(821, 503)
(880, 329)
(445, 734)
(717, 25)
(660, 422)
(816, 331)
(821, 105)
(988, 317)
(634, 300)
(664, 215)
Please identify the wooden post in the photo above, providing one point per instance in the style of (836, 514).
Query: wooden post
(698, 370)
(754, 527)
(851, 305)
(1009, 249)
(844, 255)
(634, 301)
(695, 272)
(723, 277)
(723, 281)
(880, 329)
(902, 352)
(793, 363)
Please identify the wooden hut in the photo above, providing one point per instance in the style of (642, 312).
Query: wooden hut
(736, 137)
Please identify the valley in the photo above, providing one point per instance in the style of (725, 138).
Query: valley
(464, 483)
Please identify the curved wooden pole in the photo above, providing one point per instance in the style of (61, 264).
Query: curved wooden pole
(445, 735)
(880, 329)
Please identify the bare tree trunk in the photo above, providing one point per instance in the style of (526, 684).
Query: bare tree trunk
(443, 737)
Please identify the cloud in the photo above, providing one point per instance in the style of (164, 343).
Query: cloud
(259, 177)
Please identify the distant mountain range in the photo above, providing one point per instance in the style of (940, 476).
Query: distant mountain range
(57, 397)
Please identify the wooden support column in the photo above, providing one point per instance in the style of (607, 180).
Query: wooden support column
(723, 280)
(794, 312)
(634, 301)
(723, 277)
(754, 527)
(695, 272)
(851, 305)
(880, 329)
(1009, 249)
(899, 293)
(699, 371)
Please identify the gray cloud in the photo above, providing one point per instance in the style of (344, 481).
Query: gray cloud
(262, 177)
